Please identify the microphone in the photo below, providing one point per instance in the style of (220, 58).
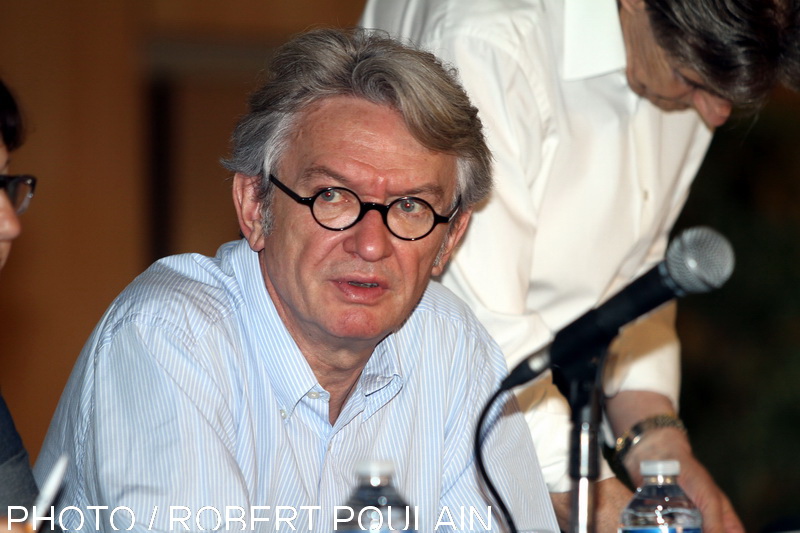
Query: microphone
(697, 261)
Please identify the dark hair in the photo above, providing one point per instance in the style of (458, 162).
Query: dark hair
(365, 64)
(10, 119)
(741, 48)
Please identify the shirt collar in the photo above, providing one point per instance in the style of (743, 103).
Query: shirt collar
(382, 367)
(293, 378)
(290, 375)
(593, 43)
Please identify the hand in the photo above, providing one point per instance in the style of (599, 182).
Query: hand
(629, 407)
(671, 443)
(611, 497)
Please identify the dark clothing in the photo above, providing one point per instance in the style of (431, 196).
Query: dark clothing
(17, 486)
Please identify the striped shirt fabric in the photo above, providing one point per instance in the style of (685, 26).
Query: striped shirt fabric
(191, 408)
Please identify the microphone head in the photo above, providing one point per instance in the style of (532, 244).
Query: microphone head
(699, 260)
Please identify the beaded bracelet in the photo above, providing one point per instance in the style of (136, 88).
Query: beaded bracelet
(631, 438)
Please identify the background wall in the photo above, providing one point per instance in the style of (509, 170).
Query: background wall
(78, 70)
(741, 344)
(129, 106)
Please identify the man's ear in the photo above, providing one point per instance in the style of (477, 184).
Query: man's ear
(248, 209)
(454, 235)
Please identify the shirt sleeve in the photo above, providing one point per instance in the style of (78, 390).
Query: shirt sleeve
(491, 269)
(645, 356)
(154, 415)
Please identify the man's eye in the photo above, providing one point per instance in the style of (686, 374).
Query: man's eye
(331, 195)
(410, 206)
(694, 85)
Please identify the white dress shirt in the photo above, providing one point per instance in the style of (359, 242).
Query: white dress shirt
(589, 181)
(191, 400)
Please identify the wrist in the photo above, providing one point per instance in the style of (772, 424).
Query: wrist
(655, 437)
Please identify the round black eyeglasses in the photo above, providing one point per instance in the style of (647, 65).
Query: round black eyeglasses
(19, 189)
(335, 208)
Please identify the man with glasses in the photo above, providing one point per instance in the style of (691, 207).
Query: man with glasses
(16, 481)
(252, 383)
(18, 189)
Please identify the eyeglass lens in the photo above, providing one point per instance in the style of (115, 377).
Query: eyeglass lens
(19, 190)
(408, 218)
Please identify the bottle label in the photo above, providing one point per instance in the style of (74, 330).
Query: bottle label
(655, 529)
(381, 530)
(374, 529)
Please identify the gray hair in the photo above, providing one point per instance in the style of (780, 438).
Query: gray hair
(741, 48)
(365, 64)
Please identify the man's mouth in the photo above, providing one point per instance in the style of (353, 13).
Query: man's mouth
(364, 285)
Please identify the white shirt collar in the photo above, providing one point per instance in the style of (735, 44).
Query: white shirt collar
(593, 43)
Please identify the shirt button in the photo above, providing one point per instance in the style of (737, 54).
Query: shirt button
(314, 395)
(283, 413)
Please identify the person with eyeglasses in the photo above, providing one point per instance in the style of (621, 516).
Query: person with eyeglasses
(257, 379)
(18, 189)
(17, 486)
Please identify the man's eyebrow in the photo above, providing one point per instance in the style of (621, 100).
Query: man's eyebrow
(430, 189)
(313, 173)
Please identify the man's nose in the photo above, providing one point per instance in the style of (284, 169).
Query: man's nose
(370, 239)
(9, 222)
(714, 110)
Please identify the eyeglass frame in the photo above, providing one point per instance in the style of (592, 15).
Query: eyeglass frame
(8, 179)
(383, 209)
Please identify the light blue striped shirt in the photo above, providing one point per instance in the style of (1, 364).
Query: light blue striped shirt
(191, 401)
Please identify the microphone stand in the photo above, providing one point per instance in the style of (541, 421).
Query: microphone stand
(581, 384)
(697, 261)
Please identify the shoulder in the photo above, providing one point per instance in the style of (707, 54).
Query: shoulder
(499, 21)
(431, 24)
(184, 294)
(444, 323)
(438, 300)
(444, 347)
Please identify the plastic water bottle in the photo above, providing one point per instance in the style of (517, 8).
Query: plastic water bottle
(660, 505)
(375, 505)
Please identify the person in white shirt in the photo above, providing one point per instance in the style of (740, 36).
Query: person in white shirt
(598, 114)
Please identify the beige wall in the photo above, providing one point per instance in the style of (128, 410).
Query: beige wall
(81, 71)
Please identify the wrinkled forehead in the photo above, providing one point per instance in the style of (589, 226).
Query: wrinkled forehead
(349, 137)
